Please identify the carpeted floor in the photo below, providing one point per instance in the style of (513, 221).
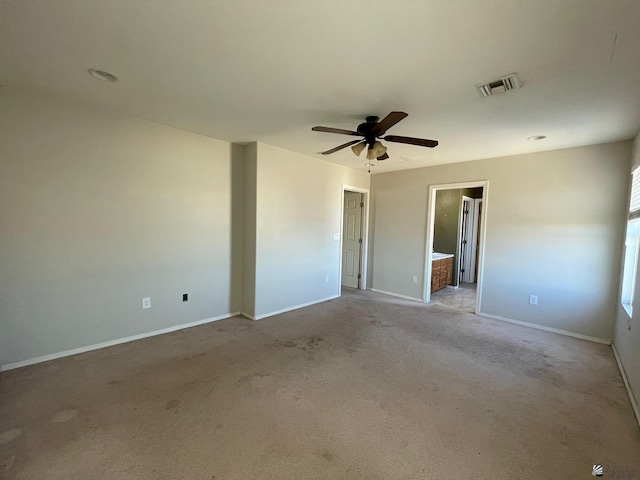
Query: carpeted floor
(462, 298)
(362, 387)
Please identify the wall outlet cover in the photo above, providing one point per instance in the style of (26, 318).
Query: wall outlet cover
(146, 302)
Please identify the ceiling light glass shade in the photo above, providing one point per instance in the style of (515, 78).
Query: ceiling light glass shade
(358, 147)
(371, 154)
(378, 149)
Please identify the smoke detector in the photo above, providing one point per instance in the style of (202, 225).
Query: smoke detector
(502, 85)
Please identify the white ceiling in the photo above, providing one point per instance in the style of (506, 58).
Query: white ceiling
(269, 70)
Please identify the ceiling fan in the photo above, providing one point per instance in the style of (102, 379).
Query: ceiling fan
(372, 130)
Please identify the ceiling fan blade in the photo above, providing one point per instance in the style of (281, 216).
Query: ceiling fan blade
(422, 142)
(388, 122)
(345, 145)
(336, 130)
(384, 156)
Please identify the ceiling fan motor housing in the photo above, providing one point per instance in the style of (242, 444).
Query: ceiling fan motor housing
(367, 127)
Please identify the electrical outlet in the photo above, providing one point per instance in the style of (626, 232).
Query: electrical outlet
(146, 302)
(326, 279)
(533, 299)
(185, 297)
(415, 279)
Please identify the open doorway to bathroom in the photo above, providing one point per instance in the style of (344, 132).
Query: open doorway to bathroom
(455, 245)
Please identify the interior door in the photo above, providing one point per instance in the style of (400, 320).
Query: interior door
(465, 239)
(470, 238)
(476, 237)
(352, 239)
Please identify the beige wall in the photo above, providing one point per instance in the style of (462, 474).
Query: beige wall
(98, 211)
(554, 229)
(627, 331)
(298, 204)
(250, 153)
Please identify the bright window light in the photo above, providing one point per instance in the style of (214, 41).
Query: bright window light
(630, 265)
(631, 246)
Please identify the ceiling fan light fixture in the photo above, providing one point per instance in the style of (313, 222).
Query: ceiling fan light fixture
(358, 147)
(369, 132)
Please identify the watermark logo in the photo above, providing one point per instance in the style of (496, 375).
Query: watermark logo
(609, 469)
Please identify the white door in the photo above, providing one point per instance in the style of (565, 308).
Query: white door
(471, 208)
(475, 238)
(352, 239)
(465, 238)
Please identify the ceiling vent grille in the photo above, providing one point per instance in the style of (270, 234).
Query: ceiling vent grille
(502, 85)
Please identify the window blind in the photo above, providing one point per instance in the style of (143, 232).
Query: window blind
(634, 205)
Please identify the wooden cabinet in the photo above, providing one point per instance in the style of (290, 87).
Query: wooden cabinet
(441, 273)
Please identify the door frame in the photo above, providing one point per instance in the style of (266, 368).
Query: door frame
(365, 234)
(431, 216)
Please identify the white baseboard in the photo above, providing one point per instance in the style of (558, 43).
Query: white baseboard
(547, 329)
(288, 309)
(76, 351)
(632, 397)
(406, 297)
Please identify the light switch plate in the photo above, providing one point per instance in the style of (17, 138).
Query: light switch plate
(146, 303)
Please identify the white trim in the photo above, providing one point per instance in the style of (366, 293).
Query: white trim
(365, 233)
(406, 297)
(431, 214)
(632, 398)
(547, 329)
(110, 343)
(288, 309)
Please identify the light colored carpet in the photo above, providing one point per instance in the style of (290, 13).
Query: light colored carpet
(362, 387)
(462, 298)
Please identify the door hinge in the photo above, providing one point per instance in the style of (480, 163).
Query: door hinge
(361, 204)
(360, 240)
(359, 276)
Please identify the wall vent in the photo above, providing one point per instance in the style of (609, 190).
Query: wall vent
(502, 85)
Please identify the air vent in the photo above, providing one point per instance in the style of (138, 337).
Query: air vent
(504, 84)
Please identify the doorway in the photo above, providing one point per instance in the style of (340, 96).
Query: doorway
(455, 245)
(354, 228)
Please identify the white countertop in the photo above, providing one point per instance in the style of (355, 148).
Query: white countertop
(440, 256)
